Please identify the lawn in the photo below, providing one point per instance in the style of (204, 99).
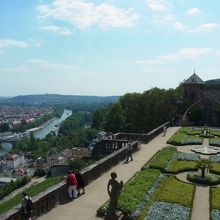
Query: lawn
(215, 198)
(215, 168)
(182, 166)
(32, 191)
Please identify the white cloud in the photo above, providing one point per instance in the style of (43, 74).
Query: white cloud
(180, 26)
(193, 11)
(158, 5)
(7, 43)
(83, 14)
(56, 29)
(185, 53)
(16, 69)
(205, 27)
(48, 65)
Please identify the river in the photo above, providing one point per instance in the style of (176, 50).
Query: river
(51, 125)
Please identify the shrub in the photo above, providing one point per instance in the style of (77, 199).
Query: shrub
(171, 211)
(13, 185)
(161, 159)
(209, 179)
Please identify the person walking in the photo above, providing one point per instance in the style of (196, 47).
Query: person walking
(27, 206)
(72, 184)
(129, 151)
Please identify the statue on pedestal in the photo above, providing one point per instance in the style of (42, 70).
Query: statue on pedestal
(114, 188)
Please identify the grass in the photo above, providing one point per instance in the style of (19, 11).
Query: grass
(175, 191)
(185, 136)
(31, 191)
(215, 198)
(171, 190)
(215, 168)
(133, 192)
(182, 166)
(161, 158)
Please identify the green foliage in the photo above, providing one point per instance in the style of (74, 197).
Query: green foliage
(183, 166)
(40, 172)
(209, 179)
(137, 112)
(135, 190)
(80, 163)
(31, 191)
(161, 158)
(215, 141)
(215, 198)
(13, 185)
(4, 127)
(175, 191)
(186, 136)
(215, 168)
(204, 165)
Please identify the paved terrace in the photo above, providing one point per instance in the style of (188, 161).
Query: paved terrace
(84, 208)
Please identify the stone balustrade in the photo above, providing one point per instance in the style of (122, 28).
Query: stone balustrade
(57, 194)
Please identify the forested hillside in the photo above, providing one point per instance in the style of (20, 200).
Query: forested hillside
(135, 112)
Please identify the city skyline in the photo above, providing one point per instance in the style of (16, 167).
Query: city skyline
(104, 48)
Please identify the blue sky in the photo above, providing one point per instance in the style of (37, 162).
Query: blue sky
(85, 47)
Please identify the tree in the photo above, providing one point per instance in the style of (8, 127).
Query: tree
(204, 165)
(4, 127)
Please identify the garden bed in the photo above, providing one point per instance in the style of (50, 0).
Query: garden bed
(162, 159)
(214, 203)
(172, 193)
(134, 192)
(185, 136)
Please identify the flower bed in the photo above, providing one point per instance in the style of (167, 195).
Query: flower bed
(162, 159)
(188, 157)
(134, 192)
(171, 211)
(183, 166)
(215, 141)
(215, 214)
(172, 190)
(214, 158)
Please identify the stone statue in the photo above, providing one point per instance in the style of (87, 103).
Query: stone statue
(114, 190)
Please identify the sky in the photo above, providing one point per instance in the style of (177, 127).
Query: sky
(111, 47)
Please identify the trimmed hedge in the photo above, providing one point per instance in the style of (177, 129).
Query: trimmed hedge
(161, 159)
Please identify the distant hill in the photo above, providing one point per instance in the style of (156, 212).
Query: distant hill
(56, 99)
(213, 82)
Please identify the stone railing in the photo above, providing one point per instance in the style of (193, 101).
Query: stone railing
(57, 194)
